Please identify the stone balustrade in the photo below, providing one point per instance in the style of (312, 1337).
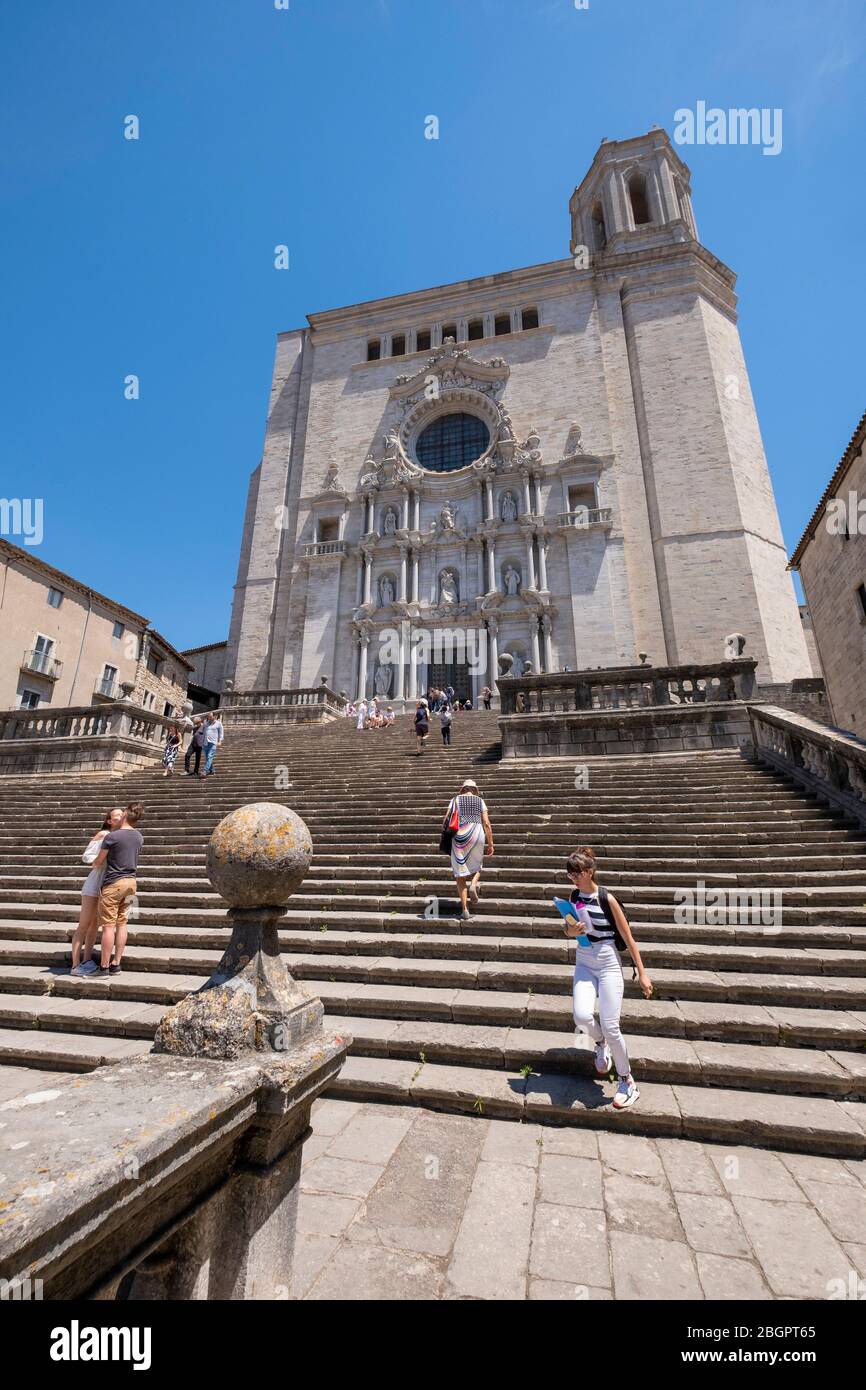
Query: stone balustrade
(108, 738)
(828, 763)
(635, 687)
(301, 704)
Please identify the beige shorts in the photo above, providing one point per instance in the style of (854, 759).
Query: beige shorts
(114, 903)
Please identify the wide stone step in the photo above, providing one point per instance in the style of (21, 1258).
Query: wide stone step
(515, 939)
(87, 1021)
(367, 974)
(801, 1124)
(764, 1024)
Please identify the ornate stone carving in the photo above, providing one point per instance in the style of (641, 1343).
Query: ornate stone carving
(389, 522)
(446, 520)
(509, 507)
(735, 644)
(332, 480)
(386, 591)
(512, 581)
(383, 680)
(449, 589)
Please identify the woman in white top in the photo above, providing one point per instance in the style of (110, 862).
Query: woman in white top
(85, 933)
(362, 714)
(473, 839)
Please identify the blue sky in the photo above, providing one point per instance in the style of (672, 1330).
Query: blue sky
(305, 126)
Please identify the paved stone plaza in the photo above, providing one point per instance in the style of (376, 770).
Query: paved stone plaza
(402, 1203)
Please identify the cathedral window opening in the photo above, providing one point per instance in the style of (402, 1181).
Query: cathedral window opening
(449, 331)
(398, 345)
(599, 230)
(530, 318)
(374, 350)
(502, 324)
(452, 441)
(637, 193)
(475, 329)
(424, 340)
(329, 530)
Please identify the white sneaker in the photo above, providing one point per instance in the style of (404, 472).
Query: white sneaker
(603, 1059)
(626, 1094)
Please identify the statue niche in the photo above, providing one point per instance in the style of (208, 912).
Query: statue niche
(389, 522)
(387, 592)
(384, 676)
(449, 588)
(509, 507)
(512, 578)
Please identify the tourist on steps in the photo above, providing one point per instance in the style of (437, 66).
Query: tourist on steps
(486, 696)
(598, 972)
(196, 743)
(422, 724)
(84, 938)
(362, 714)
(213, 737)
(172, 748)
(119, 856)
(473, 839)
(445, 720)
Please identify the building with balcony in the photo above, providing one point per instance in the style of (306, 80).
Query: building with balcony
(62, 643)
(563, 461)
(831, 559)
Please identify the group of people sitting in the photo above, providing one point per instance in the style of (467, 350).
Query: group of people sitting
(370, 714)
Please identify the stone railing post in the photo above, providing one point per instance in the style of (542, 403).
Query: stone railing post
(251, 1009)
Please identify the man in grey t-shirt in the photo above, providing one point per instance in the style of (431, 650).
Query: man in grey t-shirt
(119, 854)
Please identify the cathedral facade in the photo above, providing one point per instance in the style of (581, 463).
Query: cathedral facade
(562, 462)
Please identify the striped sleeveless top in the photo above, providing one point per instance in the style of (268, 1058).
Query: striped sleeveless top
(601, 929)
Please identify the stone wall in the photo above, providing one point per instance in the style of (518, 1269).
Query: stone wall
(831, 568)
(660, 729)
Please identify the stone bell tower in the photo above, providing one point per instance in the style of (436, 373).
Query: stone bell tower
(706, 545)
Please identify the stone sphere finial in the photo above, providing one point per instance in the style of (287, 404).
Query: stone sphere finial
(506, 661)
(258, 855)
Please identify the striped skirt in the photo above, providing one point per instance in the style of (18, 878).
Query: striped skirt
(467, 850)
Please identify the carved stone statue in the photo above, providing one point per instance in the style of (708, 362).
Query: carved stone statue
(386, 591)
(389, 524)
(512, 581)
(448, 589)
(447, 517)
(506, 429)
(734, 646)
(383, 681)
(392, 444)
(509, 507)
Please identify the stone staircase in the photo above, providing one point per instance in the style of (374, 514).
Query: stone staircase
(752, 1036)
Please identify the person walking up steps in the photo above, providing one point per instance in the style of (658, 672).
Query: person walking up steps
(422, 725)
(445, 720)
(119, 854)
(84, 938)
(598, 973)
(213, 737)
(473, 839)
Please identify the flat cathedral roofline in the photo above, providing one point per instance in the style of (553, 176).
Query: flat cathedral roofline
(327, 318)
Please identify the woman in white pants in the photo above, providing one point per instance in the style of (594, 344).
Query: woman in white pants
(598, 974)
